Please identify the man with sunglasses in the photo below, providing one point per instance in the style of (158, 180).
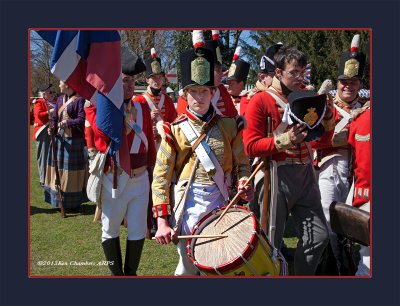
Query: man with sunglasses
(42, 110)
(298, 191)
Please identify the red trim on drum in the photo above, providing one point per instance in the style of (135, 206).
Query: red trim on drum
(234, 263)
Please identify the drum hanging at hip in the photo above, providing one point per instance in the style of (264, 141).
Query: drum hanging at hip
(245, 252)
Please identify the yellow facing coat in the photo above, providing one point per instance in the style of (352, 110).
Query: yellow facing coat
(226, 142)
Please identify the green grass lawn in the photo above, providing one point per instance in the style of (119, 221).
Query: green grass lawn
(72, 246)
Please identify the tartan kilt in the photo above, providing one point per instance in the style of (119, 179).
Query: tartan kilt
(73, 170)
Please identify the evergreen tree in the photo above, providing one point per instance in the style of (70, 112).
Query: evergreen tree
(322, 47)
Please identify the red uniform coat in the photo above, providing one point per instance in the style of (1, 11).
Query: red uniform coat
(256, 143)
(360, 141)
(168, 110)
(138, 160)
(224, 104)
(326, 145)
(40, 112)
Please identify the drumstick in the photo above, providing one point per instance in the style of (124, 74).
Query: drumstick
(198, 236)
(237, 195)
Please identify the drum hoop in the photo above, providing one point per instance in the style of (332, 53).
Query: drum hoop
(236, 262)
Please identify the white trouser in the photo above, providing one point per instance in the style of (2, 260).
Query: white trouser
(201, 199)
(334, 186)
(363, 268)
(131, 203)
(333, 183)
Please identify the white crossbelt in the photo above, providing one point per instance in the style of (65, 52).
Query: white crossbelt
(214, 101)
(152, 106)
(138, 128)
(346, 117)
(206, 156)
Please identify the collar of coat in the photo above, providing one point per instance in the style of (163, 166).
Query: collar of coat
(191, 115)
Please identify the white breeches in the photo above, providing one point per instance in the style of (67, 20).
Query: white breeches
(131, 203)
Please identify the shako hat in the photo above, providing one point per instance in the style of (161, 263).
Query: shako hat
(266, 62)
(45, 87)
(306, 107)
(197, 65)
(352, 63)
(153, 64)
(213, 46)
(131, 63)
(239, 69)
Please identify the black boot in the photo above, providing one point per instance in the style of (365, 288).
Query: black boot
(112, 250)
(132, 257)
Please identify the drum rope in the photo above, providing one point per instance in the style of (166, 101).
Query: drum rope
(216, 270)
(249, 265)
(272, 255)
(265, 246)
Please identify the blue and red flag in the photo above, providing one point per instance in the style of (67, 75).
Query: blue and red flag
(307, 76)
(89, 61)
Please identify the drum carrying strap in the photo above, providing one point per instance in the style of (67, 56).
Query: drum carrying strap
(206, 157)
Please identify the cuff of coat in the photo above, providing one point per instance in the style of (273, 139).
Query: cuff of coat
(282, 142)
(242, 181)
(161, 210)
(328, 124)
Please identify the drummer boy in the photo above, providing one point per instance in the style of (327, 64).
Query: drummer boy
(203, 176)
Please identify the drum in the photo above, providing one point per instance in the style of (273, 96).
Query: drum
(245, 252)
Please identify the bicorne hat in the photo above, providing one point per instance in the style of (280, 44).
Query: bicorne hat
(266, 62)
(131, 63)
(45, 87)
(306, 107)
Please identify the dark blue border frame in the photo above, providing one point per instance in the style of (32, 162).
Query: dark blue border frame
(17, 16)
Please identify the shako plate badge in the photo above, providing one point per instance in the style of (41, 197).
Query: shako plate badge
(200, 71)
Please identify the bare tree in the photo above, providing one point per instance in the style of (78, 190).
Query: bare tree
(40, 60)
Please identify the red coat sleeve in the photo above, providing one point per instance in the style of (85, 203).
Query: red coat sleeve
(40, 111)
(360, 141)
(255, 141)
(101, 140)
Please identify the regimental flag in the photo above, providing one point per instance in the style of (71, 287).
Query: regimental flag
(307, 76)
(89, 61)
(172, 76)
